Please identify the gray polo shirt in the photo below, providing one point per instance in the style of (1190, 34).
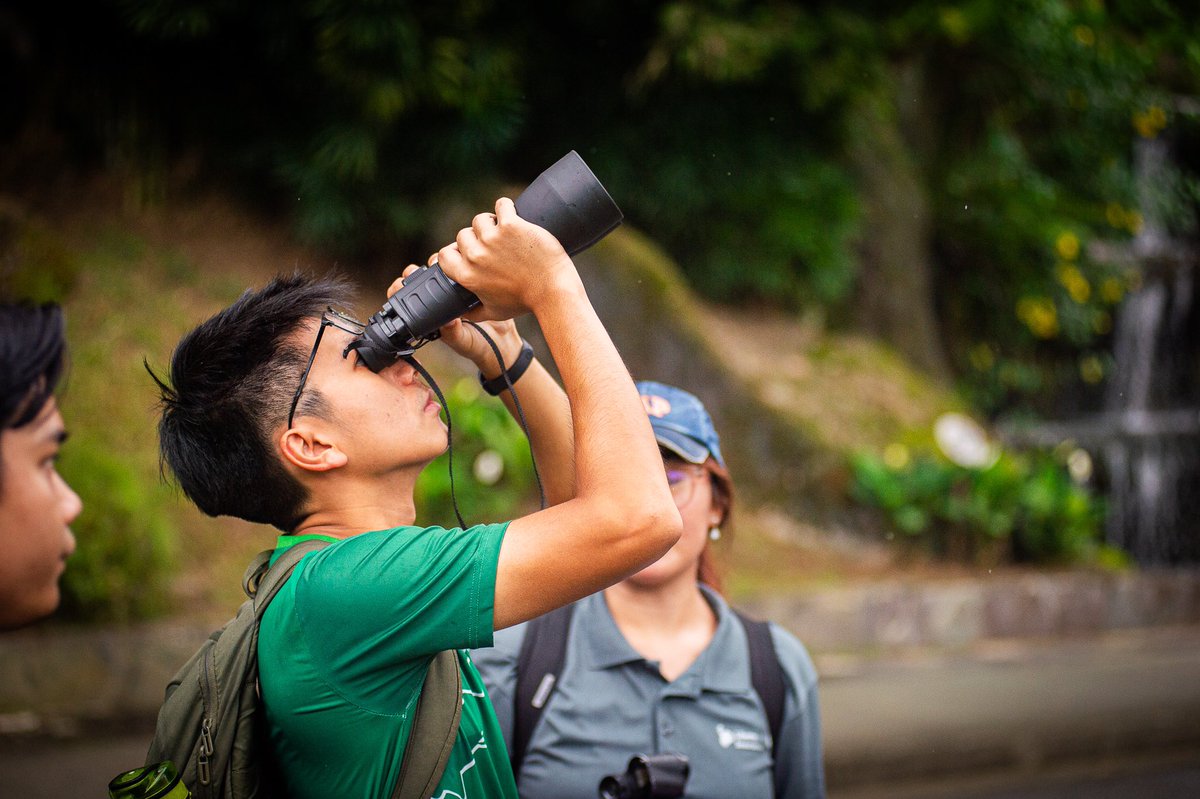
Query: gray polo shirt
(611, 703)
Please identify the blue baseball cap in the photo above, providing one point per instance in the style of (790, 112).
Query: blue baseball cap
(680, 422)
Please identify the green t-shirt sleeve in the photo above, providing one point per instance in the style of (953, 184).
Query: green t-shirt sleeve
(375, 606)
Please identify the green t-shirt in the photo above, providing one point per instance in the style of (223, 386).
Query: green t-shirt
(344, 647)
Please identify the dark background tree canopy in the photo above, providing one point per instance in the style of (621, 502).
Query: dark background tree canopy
(932, 174)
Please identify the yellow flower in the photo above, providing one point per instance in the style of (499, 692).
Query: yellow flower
(1134, 222)
(1080, 290)
(1091, 369)
(1074, 282)
(982, 357)
(895, 456)
(1085, 35)
(1039, 315)
(1150, 122)
(1115, 214)
(955, 24)
(1111, 290)
(1067, 246)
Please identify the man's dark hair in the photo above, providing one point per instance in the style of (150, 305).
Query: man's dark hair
(231, 383)
(32, 351)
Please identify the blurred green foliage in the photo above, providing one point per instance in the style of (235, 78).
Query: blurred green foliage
(493, 469)
(1023, 506)
(128, 531)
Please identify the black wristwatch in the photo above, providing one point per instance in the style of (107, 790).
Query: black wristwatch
(496, 386)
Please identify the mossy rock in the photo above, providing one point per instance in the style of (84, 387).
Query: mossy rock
(790, 400)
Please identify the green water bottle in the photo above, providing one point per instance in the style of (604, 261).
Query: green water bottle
(159, 781)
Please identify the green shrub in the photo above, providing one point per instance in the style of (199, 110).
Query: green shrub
(485, 437)
(125, 549)
(1024, 505)
(128, 531)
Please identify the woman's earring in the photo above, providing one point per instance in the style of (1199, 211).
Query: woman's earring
(714, 533)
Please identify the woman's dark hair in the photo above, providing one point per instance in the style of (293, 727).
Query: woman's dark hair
(722, 498)
(32, 354)
(32, 351)
(230, 384)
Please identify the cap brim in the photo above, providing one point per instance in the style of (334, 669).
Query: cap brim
(684, 446)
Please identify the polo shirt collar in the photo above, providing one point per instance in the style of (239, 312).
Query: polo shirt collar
(721, 667)
(602, 645)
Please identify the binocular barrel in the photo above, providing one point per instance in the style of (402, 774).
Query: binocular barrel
(661, 776)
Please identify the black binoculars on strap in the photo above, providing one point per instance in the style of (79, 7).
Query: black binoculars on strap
(566, 200)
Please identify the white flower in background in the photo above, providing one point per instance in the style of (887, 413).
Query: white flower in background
(1079, 464)
(488, 467)
(964, 441)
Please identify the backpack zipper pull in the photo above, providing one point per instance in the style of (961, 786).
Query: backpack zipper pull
(206, 749)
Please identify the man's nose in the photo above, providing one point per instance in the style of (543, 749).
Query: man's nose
(401, 371)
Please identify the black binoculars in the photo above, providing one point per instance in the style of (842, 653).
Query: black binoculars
(662, 776)
(566, 200)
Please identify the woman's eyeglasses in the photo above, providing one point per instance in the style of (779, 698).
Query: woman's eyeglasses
(682, 478)
(330, 318)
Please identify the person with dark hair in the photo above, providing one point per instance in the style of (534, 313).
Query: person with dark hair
(660, 663)
(270, 416)
(36, 505)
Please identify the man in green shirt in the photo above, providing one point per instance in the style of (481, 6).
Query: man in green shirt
(345, 645)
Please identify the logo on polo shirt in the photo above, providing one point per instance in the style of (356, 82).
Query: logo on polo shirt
(656, 406)
(747, 740)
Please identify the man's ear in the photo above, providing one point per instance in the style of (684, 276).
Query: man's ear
(311, 450)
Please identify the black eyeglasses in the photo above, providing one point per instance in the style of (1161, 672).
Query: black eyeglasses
(330, 318)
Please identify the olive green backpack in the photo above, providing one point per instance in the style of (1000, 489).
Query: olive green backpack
(212, 723)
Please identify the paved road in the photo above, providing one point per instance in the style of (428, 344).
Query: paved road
(80, 769)
(1113, 717)
(1012, 708)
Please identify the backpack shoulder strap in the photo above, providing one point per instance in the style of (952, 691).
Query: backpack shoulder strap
(766, 674)
(263, 579)
(434, 730)
(439, 709)
(539, 665)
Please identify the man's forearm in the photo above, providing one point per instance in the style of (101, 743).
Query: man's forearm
(615, 451)
(548, 414)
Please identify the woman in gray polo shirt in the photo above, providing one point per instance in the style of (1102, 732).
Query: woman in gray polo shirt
(660, 663)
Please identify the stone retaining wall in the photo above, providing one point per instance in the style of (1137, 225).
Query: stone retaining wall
(51, 677)
(957, 613)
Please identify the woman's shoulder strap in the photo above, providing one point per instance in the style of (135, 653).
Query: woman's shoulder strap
(539, 664)
(766, 673)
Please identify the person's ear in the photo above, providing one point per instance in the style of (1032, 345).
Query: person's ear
(311, 450)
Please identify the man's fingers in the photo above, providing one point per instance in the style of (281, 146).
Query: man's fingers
(506, 211)
(468, 242)
(448, 256)
(396, 284)
(483, 222)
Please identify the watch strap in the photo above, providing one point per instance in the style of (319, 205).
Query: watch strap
(497, 385)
